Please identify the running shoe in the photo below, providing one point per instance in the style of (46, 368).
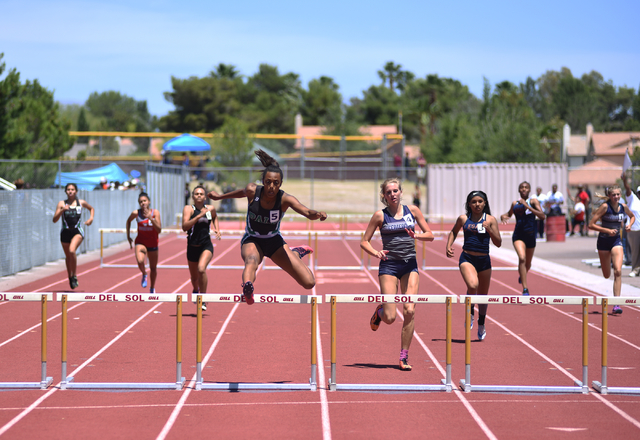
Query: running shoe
(73, 281)
(204, 306)
(482, 333)
(144, 281)
(247, 290)
(404, 364)
(152, 290)
(374, 322)
(616, 310)
(525, 292)
(302, 251)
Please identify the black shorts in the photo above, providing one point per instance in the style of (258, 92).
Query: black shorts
(194, 252)
(397, 268)
(480, 262)
(67, 234)
(268, 246)
(528, 239)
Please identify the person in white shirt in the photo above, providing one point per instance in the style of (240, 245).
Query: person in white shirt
(554, 200)
(633, 236)
(542, 198)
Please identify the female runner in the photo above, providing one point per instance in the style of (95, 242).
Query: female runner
(397, 258)
(196, 222)
(149, 226)
(479, 227)
(267, 205)
(609, 245)
(72, 234)
(526, 210)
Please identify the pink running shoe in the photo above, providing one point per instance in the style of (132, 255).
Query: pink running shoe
(302, 251)
(247, 290)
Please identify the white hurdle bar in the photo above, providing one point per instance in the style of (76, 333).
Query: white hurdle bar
(68, 381)
(581, 387)
(602, 386)
(259, 299)
(390, 299)
(43, 298)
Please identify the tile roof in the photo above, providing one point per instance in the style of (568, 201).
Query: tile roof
(598, 172)
(612, 144)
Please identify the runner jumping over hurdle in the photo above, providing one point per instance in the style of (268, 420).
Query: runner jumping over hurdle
(262, 238)
(149, 226)
(397, 258)
(479, 227)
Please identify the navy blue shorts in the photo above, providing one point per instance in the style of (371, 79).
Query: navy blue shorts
(481, 263)
(194, 252)
(268, 246)
(607, 242)
(397, 268)
(528, 239)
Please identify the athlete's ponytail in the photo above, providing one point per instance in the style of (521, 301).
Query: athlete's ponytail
(269, 163)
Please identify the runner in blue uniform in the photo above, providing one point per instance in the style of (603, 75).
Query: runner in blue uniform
(612, 215)
(479, 228)
(267, 205)
(71, 235)
(397, 258)
(526, 211)
(196, 222)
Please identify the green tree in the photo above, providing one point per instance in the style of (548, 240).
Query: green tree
(117, 112)
(322, 102)
(231, 145)
(30, 123)
(83, 125)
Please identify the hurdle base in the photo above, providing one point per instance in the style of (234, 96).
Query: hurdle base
(42, 385)
(448, 385)
(389, 387)
(246, 386)
(332, 386)
(467, 387)
(604, 389)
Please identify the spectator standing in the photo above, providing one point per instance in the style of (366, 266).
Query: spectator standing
(585, 198)
(633, 235)
(542, 198)
(554, 201)
(577, 217)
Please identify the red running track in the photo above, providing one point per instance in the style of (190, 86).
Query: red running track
(135, 342)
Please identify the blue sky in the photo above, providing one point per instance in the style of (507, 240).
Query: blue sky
(135, 46)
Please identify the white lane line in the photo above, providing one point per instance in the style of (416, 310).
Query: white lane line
(322, 381)
(185, 394)
(474, 415)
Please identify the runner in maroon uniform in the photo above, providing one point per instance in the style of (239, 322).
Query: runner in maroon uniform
(149, 226)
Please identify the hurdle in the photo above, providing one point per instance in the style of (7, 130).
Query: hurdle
(390, 299)
(580, 387)
(259, 299)
(602, 386)
(43, 298)
(68, 381)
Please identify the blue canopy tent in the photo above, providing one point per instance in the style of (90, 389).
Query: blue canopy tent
(88, 180)
(186, 143)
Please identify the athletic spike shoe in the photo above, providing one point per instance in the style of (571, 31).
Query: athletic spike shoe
(247, 290)
(204, 306)
(144, 281)
(152, 290)
(302, 251)
(374, 322)
(404, 364)
(525, 292)
(616, 310)
(482, 333)
(73, 281)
